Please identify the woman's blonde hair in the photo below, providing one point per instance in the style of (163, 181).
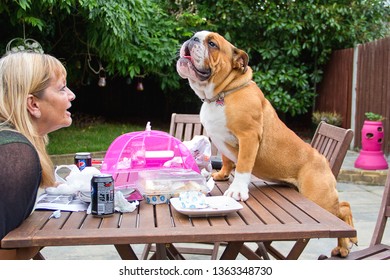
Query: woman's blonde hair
(21, 74)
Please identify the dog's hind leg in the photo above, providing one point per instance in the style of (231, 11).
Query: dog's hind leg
(227, 167)
(325, 194)
(343, 244)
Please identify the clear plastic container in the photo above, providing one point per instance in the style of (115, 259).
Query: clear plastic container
(134, 152)
(159, 185)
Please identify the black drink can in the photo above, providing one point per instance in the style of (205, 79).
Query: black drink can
(82, 160)
(102, 195)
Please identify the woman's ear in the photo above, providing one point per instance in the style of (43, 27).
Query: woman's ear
(33, 106)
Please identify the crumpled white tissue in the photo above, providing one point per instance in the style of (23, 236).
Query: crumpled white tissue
(200, 148)
(122, 205)
(56, 214)
(61, 189)
(76, 180)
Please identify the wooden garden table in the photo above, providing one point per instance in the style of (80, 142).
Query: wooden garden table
(272, 213)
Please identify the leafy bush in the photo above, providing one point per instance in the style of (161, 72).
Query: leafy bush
(374, 117)
(332, 118)
(288, 42)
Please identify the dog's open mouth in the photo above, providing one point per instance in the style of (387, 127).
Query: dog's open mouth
(186, 59)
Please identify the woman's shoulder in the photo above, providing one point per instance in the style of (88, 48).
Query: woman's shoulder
(11, 136)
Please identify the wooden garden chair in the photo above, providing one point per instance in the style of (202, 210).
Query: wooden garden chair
(377, 250)
(333, 142)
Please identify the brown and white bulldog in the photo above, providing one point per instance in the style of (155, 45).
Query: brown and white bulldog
(245, 128)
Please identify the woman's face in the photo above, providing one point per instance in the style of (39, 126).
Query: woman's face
(53, 107)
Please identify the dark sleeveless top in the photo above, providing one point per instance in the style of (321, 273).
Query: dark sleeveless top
(20, 176)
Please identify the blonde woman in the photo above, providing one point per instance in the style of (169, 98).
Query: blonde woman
(34, 100)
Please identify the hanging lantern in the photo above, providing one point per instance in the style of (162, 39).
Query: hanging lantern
(140, 85)
(102, 78)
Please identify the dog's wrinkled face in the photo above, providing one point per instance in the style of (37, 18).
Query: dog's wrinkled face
(192, 64)
(207, 54)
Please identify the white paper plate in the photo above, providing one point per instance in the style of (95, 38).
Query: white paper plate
(218, 206)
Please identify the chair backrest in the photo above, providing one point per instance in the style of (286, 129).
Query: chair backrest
(333, 142)
(185, 126)
(383, 215)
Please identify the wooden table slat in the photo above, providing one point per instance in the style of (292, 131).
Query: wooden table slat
(75, 220)
(129, 220)
(294, 213)
(314, 211)
(200, 222)
(111, 222)
(146, 216)
(260, 205)
(163, 216)
(92, 222)
(235, 218)
(58, 223)
(179, 219)
(220, 187)
(248, 216)
(218, 221)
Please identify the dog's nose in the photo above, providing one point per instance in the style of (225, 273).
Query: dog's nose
(193, 42)
(195, 39)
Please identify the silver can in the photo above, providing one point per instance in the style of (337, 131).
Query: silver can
(102, 195)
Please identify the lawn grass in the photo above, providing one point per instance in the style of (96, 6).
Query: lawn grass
(93, 137)
(93, 134)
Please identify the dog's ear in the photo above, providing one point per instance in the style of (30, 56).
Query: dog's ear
(240, 60)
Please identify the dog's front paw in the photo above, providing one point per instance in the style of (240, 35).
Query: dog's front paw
(238, 190)
(220, 176)
(239, 187)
